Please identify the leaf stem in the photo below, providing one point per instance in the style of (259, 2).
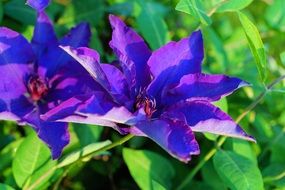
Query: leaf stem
(221, 141)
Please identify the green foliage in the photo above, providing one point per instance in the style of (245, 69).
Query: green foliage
(5, 187)
(255, 44)
(237, 171)
(148, 169)
(25, 14)
(151, 24)
(233, 5)
(194, 8)
(31, 160)
(275, 15)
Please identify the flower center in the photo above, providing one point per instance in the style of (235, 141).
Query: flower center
(146, 103)
(37, 87)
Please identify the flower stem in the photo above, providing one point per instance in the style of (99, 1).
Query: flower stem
(221, 141)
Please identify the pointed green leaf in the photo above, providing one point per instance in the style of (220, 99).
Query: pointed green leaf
(255, 44)
(151, 24)
(194, 8)
(146, 166)
(157, 186)
(238, 172)
(31, 156)
(25, 14)
(244, 148)
(233, 5)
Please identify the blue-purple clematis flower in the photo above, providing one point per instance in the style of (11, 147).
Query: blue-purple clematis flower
(162, 94)
(37, 76)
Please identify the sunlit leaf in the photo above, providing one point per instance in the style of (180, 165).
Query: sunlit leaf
(243, 148)
(194, 8)
(238, 172)
(255, 44)
(146, 166)
(31, 156)
(233, 5)
(87, 134)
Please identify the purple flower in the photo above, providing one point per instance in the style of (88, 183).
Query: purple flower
(162, 94)
(37, 76)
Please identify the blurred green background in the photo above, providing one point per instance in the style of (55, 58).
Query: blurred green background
(141, 164)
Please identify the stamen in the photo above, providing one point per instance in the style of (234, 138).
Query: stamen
(37, 87)
(148, 104)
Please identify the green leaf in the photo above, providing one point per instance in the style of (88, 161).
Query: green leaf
(17, 10)
(238, 172)
(157, 186)
(87, 134)
(255, 44)
(233, 5)
(243, 148)
(146, 166)
(275, 15)
(222, 104)
(75, 156)
(90, 11)
(208, 172)
(216, 51)
(194, 8)
(7, 154)
(277, 145)
(31, 156)
(5, 187)
(275, 174)
(151, 24)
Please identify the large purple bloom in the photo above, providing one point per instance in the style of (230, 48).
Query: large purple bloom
(37, 76)
(162, 94)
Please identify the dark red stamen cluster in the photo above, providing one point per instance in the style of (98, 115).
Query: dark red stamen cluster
(37, 88)
(146, 103)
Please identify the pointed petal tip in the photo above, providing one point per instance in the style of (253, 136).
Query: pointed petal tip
(38, 5)
(243, 84)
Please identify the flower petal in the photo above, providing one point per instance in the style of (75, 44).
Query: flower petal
(55, 57)
(54, 134)
(174, 60)
(68, 83)
(132, 53)
(175, 136)
(14, 109)
(97, 109)
(118, 83)
(78, 36)
(16, 58)
(38, 5)
(204, 117)
(44, 34)
(203, 87)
